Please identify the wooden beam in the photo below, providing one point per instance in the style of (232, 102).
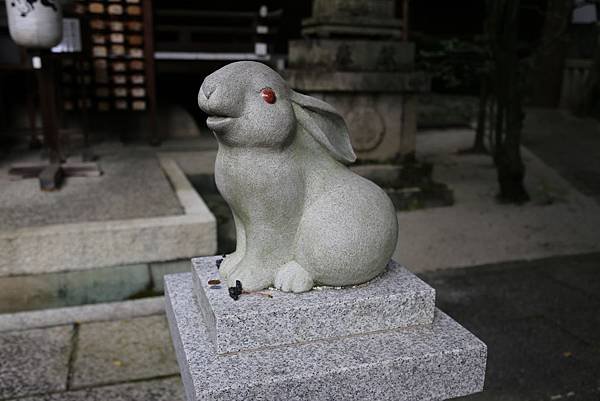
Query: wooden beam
(71, 169)
(81, 170)
(26, 170)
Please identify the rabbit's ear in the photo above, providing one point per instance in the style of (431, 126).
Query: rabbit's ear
(325, 124)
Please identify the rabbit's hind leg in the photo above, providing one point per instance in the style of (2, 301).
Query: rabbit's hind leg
(292, 277)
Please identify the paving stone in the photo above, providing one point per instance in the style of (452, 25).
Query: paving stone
(467, 300)
(538, 295)
(158, 271)
(123, 350)
(82, 314)
(553, 351)
(506, 291)
(584, 324)
(34, 361)
(514, 395)
(156, 390)
(581, 272)
(40, 291)
(491, 395)
(532, 359)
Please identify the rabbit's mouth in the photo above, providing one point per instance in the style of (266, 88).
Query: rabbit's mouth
(218, 123)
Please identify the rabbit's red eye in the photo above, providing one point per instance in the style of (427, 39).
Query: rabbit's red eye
(268, 95)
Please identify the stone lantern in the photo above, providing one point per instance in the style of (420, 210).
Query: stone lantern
(354, 56)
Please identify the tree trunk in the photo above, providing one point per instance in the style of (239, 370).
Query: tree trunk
(507, 85)
(590, 104)
(479, 143)
(478, 146)
(549, 60)
(511, 170)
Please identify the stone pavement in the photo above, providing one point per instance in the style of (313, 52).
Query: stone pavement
(540, 320)
(126, 360)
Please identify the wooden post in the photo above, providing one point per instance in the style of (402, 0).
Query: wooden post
(45, 77)
(51, 177)
(405, 19)
(150, 71)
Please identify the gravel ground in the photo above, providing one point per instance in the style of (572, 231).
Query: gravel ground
(476, 230)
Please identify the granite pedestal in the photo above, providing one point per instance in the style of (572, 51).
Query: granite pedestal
(383, 340)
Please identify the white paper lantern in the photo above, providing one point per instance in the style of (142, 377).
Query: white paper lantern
(35, 23)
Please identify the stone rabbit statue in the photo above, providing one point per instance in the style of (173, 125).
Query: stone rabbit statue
(302, 217)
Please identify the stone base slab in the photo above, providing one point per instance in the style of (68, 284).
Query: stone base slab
(393, 300)
(87, 245)
(431, 362)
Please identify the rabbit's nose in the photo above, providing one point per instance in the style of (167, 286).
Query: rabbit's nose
(208, 90)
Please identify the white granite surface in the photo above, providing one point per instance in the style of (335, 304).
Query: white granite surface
(302, 217)
(430, 362)
(393, 300)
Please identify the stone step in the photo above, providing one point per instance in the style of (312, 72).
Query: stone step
(393, 300)
(429, 362)
(61, 239)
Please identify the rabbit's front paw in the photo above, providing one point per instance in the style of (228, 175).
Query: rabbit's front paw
(293, 278)
(252, 278)
(228, 264)
(226, 267)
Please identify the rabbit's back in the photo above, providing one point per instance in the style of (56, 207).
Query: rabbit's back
(348, 234)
